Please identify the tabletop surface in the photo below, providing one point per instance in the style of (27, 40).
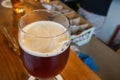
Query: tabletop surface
(105, 58)
(11, 67)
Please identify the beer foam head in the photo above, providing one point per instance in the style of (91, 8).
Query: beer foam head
(46, 38)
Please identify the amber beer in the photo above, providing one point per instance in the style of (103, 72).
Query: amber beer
(45, 1)
(44, 48)
(18, 5)
(45, 67)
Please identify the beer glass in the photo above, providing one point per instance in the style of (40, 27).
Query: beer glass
(44, 39)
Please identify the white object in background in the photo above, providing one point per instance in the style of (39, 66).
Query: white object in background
(95, 19)
(6, 3)
(47, 6)
(83, 37)
(111, 23)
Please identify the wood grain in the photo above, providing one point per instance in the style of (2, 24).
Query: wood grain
(77, 70)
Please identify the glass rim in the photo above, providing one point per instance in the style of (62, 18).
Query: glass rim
(32, 35)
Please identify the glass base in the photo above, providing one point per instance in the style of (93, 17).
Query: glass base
(58, 77)
(6, 4)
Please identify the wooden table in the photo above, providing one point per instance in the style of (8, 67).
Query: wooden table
(11, 67)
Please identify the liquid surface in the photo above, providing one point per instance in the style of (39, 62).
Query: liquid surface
(44, 38)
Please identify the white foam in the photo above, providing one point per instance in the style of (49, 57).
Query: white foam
(53, 46)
